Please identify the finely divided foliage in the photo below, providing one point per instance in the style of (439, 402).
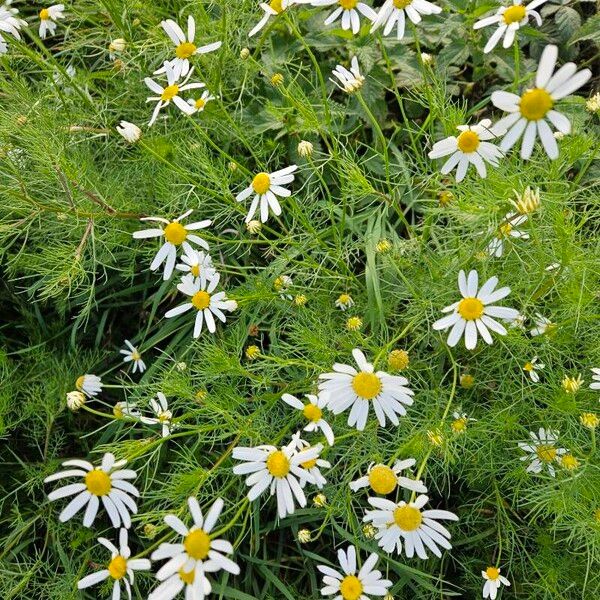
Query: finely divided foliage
(286, 313)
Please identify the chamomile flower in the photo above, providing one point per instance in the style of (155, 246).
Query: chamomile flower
(199, 264)
(471, 146)
(347, 387)
(526, 202)
(475, 312)
(394, 12)
(277, 469)
(344, 302)
(271, 9)
(9, 23)
(179, 581)
(313, 412)
(130, 132)
(120, 568)
(348, 10)
(349, 81)
(509, 228)
(530, 112)
(163, 416)
(185, 47)
(595, 385)
(90, 385)
(509, 20)
(460, 422)
(350, 584)
(126, 409)
(108, 483)
(266, 187)
(408, 523)
(542, 325)
(384, 480)
(176, 234)
(542, 451)
(493, 581)
(207, 305)
(200, 103)
(48, 18)
(532, 367)
(314, 465)
(133, 355)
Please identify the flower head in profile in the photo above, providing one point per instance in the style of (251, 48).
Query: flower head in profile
(48, 18)
(542, 451)
(349, 81)
(394, 13)
(130, 132)
(312, 411)
(508, 228)
(384, 480)
(571, 385)
(543, 325)
(271, 9)
(348, 10)
(344, 302)
(90, 385)
(163, 416)
(531, 112)
(134, 356)
(75, 400)
(493, 582)
(526, 202)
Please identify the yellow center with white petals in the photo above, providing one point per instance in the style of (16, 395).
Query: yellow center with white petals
(470, 309)
(546, 453)
(528, 367)
(408, 518)
(278, 464)
(459, 425)
(310, 464)
(514, 14)
(351, 588)
(492, 573)
(468, 141)
(197, 544)
(348, 4)
(185, 50)
(98, 482)
(79, 382)
(175, 233)
(187, 577)
(382, 479)
(169, 93)
(504, 230)
(195, 270)
(402, 3)
(200, 103)
(276, 5)
(261, 183)
(535, 104)
(117, 567)
(366, 385)
(312, 413)
(44, 14)
(201, 300)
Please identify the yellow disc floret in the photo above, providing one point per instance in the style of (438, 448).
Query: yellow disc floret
(276, 5)
(408, 518)
(351, 588)
(200, 103)
(468, 141)
(187, 577)
(185, 50)
(402, 3)
(201, 300)
(261, 183)
(197, 544)
(169, 93)
(98, 482)
(535, 104)
(117, 567)
(546, 453)
(175, 233)
(492, 573)
(382, 479)
(514, 14)
(278, 464)
(348, 4)
(366, 385)
(312, 412)
(470, 308)
(44, 14)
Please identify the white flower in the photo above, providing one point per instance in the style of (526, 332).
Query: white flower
(507, 229)
(163, 416)
(133, 355)
(171, 92)
(542, 451)
(184, 46)
(116, 45)
(175, 235)
(595, 385)
(106, 482)
(474, 313)
(460, 422)
(130, 132)
(180, 580)
(406, 521)
(531, 111)
(75, 400)
(395, 12)
(344, 302)
(266, 187)
(271, 9)
(197, 552)
(349, 81)
(48, 18)
(509, 19)
(126, 409)
(90, 385)
(349, 11)
(207, 304)
(542, 325)
(200, 103)
(346, 387)
(9, 23)
(199, 264)
(313, 412)
(278, 470)
(350, 585)
(384, 480)
(470, 147)
(532, 367)
(312, 466)
(120, 568)
(493, 582)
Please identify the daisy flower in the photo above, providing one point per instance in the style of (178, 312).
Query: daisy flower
(171, 92)
(419, 529)
(200, 103)
(509, 20)
(349, 81)
(48, 18)
(395, 12)
(179, 581)
(460, 422)
(350, 585)
(280, 470)
(312, 466)
(175, 235)
(595, 385)
(532, 367)
(313, 412)
(130, 132)
(384, 480)
(9, 23)
(90, 385)
(531, 111)
(199, 264)
(471, 147)
(474, 313)
(346, 387)
(120, 568)
(126, 409)
(207, 304)
(542, 325)
(344, 302)
(271, 9)
(133, 355)
(163, 416)
(266, 187)
(493, 582)
(184, 46)
(509, 228)
(106, 482)
(348, 10)
(542, 451)
(282, 284)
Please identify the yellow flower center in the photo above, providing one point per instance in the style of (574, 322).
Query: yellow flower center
(185, 50)
(528, 367)
(169, 92)
(382, 479)
(187, 577)
(261, 183)
(195, 270)
(402, 3)
(175, 233)
(348, 4)
(201, 300)
(344, 299)
(276, 5)
(459, 425)
(197, 544)
(135, 355)
(569, 462)
(470, 308)
(79, 382)
(278, 464)
(546, 453)
(200, 103)
(408, 518)
(514, 14)
(468, 141)
(44, 14)
(117, 567)
(312, 412)
(351, 588)
(309, 464)
(535, 104)
(98, 482)
(492, 572)
(366, 385)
